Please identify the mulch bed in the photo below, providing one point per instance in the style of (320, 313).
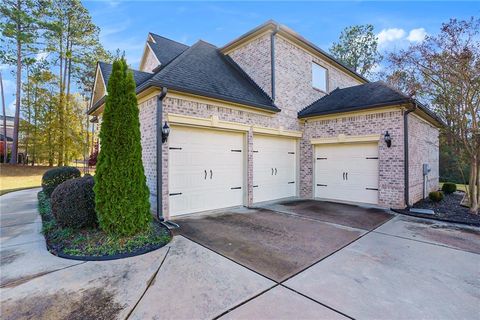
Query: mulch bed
(449, 209)
(93, 243)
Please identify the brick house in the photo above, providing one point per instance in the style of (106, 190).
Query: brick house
(271, 116)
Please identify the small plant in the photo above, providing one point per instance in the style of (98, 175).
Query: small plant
(436, 196)
(449, 187)
(54, 177)
(73, 203)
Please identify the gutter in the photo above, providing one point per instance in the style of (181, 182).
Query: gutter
(405, 152)
(160, 98)
(272, 60)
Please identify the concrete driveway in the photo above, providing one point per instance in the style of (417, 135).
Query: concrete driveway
(244, 264)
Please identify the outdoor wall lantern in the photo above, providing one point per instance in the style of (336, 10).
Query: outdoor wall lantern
(388, 139)
(165, 132)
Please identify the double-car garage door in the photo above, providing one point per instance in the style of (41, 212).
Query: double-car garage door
(207, 169)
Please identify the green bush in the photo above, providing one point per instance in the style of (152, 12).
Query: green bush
(449, 187)
(436, 196)
(121, 192)
(73, 203)
(53, 177)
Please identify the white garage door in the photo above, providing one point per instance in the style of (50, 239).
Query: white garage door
(206, 170)
(274, 168)
(347, 172)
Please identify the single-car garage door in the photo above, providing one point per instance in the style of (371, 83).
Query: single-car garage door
(347, 172)
(274, 168)
(206, 170)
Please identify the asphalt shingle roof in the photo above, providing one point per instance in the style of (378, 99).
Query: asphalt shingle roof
(202, 69)
(364, 96)
(139, 76)
(165, 49)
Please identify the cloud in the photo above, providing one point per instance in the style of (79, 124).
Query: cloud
(390, 35)
(417, 35)
(8, 86)
(10, 108)
(42, 55)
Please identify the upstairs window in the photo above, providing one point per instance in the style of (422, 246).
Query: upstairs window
(319, 77)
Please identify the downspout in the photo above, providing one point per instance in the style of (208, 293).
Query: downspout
(405, 151)
(272, 60)
(160, 98)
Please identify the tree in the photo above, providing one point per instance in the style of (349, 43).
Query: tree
(121, 192)
(357, 48)
(446, 70)
(19, 27)
(73, 41)
(4, 124)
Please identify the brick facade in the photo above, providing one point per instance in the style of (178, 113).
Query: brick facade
(390, 160)
(294, 91)
(422, 148)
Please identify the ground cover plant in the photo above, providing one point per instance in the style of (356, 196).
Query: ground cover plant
(94, 242)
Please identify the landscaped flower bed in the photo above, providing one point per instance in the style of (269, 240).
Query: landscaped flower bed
(93, 243)
(448, 209)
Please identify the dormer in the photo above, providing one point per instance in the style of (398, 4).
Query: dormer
(159, 51)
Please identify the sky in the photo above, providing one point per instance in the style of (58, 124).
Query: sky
(125, 25)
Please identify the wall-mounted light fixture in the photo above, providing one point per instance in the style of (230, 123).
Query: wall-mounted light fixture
(165, 132)
(388, 139)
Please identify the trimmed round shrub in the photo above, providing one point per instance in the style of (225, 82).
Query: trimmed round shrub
(449, 187)
(54, 177)
(436, 196)
(73, 203)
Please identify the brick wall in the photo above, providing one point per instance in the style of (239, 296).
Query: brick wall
(255, 59)
(391, 184)
(423, 147)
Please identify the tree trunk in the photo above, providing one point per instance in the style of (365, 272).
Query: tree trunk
(16, 122)
(473, 185)
(5, 151)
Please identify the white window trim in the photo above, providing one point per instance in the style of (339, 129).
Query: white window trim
(326, 77)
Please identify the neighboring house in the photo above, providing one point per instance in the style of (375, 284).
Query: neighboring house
(271, 116)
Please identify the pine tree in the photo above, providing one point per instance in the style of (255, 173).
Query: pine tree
(121, 192)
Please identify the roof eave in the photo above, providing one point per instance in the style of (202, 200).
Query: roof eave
(355, 108)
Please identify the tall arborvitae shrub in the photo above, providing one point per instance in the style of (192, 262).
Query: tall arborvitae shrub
(121, 192)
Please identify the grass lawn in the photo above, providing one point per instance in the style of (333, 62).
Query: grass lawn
(460, 187)
(18, 177)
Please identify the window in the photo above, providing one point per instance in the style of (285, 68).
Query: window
(319, 77)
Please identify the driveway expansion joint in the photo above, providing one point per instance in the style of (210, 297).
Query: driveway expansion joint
(149, 284)
(23, 280)
(320, 303)
(425, 242)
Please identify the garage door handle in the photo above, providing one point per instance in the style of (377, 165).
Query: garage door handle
(272, 171)
(205, 174)
(211, 174)
(344, 176)
(275, 171)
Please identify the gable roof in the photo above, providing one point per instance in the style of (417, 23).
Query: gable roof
(203, 70)
(139, 76)
(165, 49)
(294, 37)
(364, 96)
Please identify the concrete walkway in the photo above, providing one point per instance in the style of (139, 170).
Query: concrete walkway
(406, 268)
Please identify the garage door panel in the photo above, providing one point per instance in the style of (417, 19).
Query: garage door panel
(347, 172)
(203, 168)
(274, 168)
